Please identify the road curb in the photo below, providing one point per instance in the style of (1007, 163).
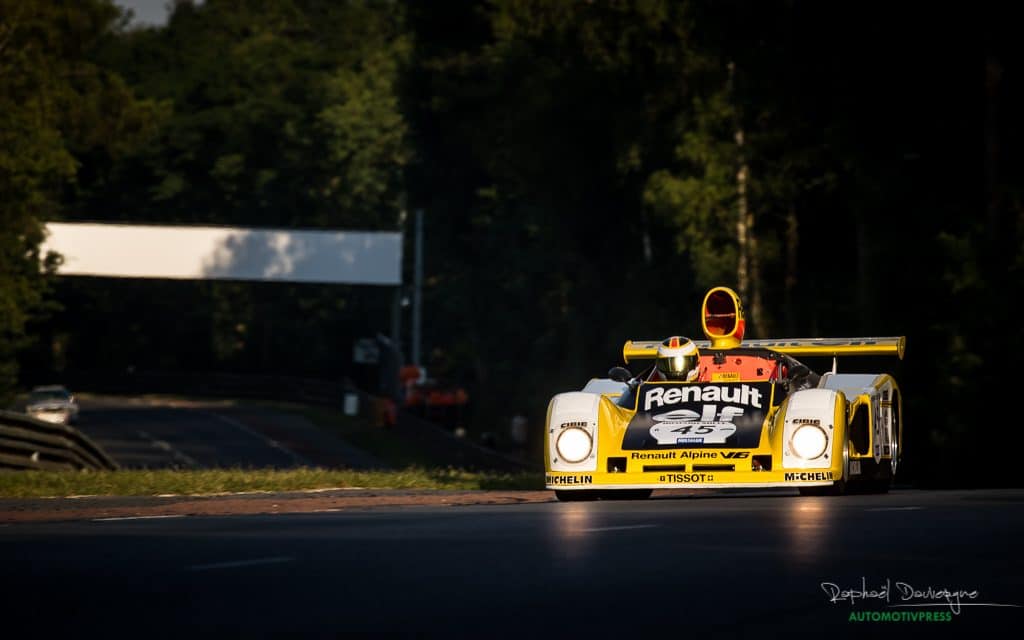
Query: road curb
(99, 507)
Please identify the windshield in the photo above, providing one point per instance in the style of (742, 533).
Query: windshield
(43, 396)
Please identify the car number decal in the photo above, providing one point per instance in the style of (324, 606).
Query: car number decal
(686, 427)
(700, 433)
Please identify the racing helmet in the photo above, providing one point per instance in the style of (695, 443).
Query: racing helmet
(678, 359)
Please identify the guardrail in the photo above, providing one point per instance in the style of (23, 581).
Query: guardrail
(28, 443)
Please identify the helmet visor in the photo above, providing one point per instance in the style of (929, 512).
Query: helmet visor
(678, 366)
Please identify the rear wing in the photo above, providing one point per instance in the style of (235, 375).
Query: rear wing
(883, 346)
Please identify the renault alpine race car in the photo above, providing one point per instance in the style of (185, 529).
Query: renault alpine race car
(755, 416)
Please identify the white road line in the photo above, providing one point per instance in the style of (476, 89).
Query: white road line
(895, 509)
(622, 528)
(163, 445)
(240, 563)
(296, 458)
(118, 519)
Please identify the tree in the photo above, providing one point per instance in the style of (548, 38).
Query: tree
(275, 115)
(536, 128)
(55, 107)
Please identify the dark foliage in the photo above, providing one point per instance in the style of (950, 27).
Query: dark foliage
(582, 168)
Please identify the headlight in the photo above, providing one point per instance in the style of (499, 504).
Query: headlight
(808, 442)
(574, 444)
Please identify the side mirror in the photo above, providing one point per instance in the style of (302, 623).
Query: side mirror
(619, 374)
(799, 371)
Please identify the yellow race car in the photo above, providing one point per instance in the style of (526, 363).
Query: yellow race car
(749, 414)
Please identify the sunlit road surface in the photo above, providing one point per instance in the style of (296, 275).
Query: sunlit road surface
(746, 565)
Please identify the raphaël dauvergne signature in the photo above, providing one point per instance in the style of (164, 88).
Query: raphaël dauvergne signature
(903, 594)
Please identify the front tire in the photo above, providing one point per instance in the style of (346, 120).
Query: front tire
(877, 477)
(575, 496)
(837, 488)
(626, 494)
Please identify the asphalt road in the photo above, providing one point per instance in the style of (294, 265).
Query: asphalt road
(150, 434)
(739, 565)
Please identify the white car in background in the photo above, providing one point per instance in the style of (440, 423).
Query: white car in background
(52, 403)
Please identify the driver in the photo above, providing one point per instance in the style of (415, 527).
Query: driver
(678, 359)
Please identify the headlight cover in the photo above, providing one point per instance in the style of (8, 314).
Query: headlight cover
(574, 444)
(809, 442)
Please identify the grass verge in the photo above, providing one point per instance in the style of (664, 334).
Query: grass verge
(41, 484)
